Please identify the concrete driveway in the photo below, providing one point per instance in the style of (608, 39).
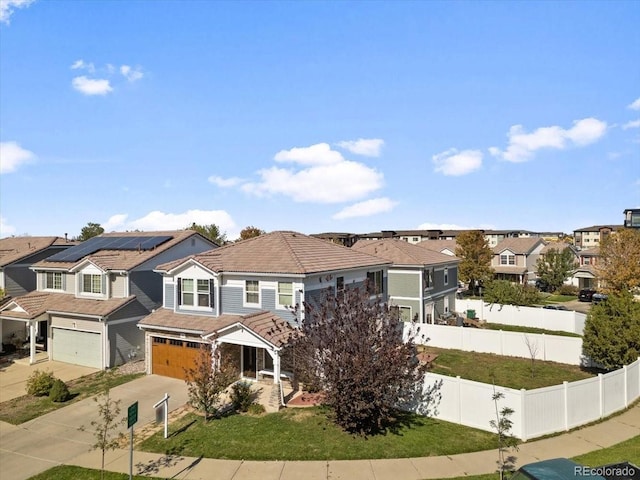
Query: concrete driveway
(55, 438)
(13, 377)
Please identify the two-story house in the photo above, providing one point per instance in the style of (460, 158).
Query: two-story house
(514, 259)
(242, 297)
(589, 237)
(90, 297)
(422, 282)
(586, 274)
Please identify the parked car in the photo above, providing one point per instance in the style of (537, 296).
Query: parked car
(563, 468)
(555, 307)
(598, 297)
(586, 294)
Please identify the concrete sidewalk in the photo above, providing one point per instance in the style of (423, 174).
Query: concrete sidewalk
(605, 434)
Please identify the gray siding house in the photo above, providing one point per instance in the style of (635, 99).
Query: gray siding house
(422, 283)
(241, 296)
(90, 297)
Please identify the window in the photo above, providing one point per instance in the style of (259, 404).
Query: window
(53, 280)
(427, 278)
(374, 282)
(285, 294)
(506, 259)
(159, 340)
(252, 292)
(195, 293)
(339, 286)
(404, 313)
(416, 239)
(91, 283)
(446, 276)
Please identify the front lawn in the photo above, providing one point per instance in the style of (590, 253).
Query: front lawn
(28, 407)
(512, 372)
(70, 472)
(561, 298)
(308, 434)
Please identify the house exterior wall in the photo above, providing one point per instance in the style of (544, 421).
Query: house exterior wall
(75, 323)
(147, 287)
(19, 278)
(118, 285)
(126, 342)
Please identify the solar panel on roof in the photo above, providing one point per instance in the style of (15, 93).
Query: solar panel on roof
(96, 244)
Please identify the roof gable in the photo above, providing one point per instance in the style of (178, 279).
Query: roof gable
(518, 246)
(400, 252)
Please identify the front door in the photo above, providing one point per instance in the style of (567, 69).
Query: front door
(249, 362)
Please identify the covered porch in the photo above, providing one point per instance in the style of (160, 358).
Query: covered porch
(26, 336)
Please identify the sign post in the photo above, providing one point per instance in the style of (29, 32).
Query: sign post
(132, 418)
(162, 411)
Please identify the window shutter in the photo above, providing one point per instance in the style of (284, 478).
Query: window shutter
(211, 294)
(105, 279)
(179, 299)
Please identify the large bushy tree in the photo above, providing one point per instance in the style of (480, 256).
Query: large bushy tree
(212, 232)
(619, 264)
(351, 347)
(504, 292)
(475, 254)
(250, 232)
(555, 266)
(612, 331)
(89, 231)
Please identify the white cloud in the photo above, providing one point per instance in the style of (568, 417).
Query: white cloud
(452, 226)
(82, 65)
(523, 145)
(635, 105)
(6, 229)
(340, 182)
(7, 8)
(131, 74)
(366, 208)
(91, 86)
(225, 182)
(368, 147)
(631, 124)
(454, 163)
(157, 220)
(12, 156)
(319, 154)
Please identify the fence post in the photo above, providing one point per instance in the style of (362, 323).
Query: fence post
(501, 342)
(459, 401)
(601, 388)
(565, 384)
(523, 415)
(624, 373)
(544, 347)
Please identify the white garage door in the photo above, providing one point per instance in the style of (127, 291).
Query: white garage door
(79, 348)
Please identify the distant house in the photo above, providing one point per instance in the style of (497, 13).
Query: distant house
(632, 218)
(585, 274)
(243, 298)
(514, 259)
(18, 254)
(448, 247)
(422, 282)
(589, 237)
(344, 239)
(90, 297)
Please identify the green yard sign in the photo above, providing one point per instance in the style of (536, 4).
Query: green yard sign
(132, 414)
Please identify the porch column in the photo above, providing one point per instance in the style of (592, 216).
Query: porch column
(32, 342)
(276, 367)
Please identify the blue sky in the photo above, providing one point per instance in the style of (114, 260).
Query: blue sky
(317, 116)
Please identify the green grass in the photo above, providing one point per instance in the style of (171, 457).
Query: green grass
(627, 451)
(509, 372)
(308, 434)
(28, 407)
(69, 472)
(517, 328)
(561, 298)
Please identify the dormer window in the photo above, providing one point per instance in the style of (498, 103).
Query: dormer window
(91, 283)
(53, 281)
(196, 292)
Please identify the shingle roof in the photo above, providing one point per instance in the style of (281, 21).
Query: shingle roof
(438, 245)
(13, 249)
(519, 246)
(124, 259)
(37, 303)
(402, 253)
(281, 252)
(265, 324)
(590, 252)
(596, 228)
(509, 270)
(558, 246)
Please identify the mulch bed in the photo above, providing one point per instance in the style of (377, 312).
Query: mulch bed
(307, 399)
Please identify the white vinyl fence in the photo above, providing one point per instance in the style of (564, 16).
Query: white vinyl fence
(561, 320)
(541, 411)
(552, 348)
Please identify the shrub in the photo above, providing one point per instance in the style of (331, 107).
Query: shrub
(241, 396)
(256, 409)
(59, 391)
(39, 383)
(567, 290)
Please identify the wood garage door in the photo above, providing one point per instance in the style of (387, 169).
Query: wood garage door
(171, 356)
(79, 348)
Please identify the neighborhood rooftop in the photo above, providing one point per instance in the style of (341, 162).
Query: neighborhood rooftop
(281, 252)
(13, 249)
(402, 253)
